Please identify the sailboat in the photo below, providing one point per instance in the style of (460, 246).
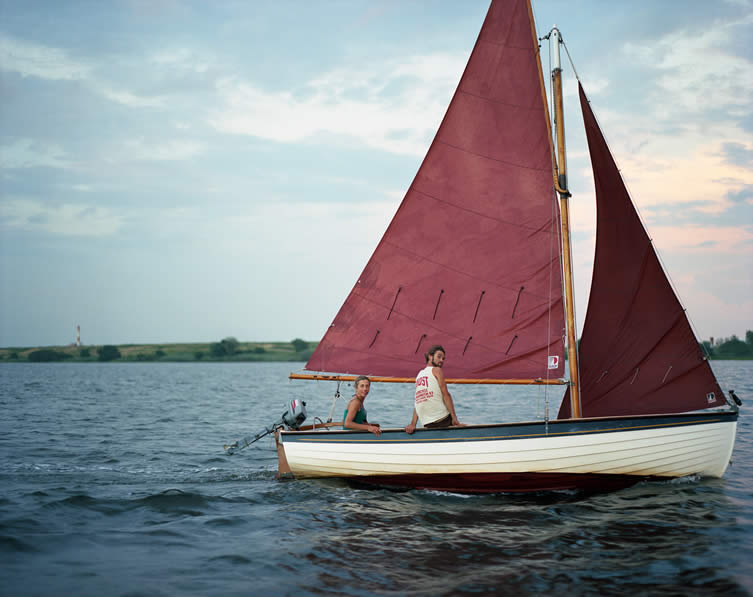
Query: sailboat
(477, 259)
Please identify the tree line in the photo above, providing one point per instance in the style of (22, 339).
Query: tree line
(730, 348)
(228, 348)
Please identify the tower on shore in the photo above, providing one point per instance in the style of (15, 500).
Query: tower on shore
(78, 335)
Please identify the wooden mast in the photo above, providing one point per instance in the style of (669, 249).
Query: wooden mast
(561, 186)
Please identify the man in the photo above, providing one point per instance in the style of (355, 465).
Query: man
(433, 403)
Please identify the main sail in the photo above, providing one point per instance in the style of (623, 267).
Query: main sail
(471, 259)
(638, 353)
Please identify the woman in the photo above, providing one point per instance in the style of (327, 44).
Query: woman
(354, 416)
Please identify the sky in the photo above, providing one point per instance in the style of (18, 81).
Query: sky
(185, 171)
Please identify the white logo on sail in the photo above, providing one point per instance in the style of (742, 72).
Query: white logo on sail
(710, 397)
(554, 362)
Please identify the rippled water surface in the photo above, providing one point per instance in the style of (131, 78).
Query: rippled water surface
(113, 481)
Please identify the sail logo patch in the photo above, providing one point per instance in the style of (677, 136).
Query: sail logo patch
(710, 397)
(554, 362)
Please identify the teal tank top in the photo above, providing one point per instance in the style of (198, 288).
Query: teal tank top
(359, 418)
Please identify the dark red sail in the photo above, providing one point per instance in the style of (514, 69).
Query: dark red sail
(471, 259)
(638, 353)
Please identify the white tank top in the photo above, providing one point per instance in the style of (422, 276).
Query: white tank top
(429, 403)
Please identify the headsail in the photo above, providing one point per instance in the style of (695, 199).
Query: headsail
(638, 353)
(471, 259)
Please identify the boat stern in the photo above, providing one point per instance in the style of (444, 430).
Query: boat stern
(283, 468)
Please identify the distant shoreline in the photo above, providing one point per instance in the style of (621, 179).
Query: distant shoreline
(193, 352)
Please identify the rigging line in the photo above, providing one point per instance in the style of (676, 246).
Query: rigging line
(562, 41)
(552, 124)
(549, 310)
(561, 240)
(552, 128)
(572, 64)
(334, 402)
(557, 231)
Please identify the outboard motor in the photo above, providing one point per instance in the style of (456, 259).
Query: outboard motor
(292, 418)
(296, 414)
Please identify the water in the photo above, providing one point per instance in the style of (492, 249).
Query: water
(113, 482)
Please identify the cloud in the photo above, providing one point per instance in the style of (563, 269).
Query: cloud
(695, 74)
(683, 142)
(395, 108)
(64, 220)
(131, 99)
(35, 60)
(689, 239)
(738, 154)
(704, 177)
(44, 62)
(743, 3)
(180, 59)
(143, 149)
(30, 153)
(744, 195)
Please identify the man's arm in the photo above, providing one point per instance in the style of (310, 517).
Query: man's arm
(446, 398)
(412, 427)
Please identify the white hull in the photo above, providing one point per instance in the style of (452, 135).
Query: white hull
(670, 450)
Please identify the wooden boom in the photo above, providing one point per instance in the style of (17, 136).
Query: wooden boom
(515, 382)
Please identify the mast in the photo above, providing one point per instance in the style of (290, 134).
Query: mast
(561, 186)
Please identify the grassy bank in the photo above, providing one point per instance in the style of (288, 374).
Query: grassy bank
(178, 353)
(228, 350)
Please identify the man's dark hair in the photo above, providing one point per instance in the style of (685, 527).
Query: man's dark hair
(434, 349)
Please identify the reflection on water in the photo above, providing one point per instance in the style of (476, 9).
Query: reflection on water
(431, 543)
